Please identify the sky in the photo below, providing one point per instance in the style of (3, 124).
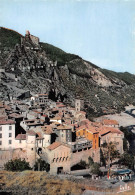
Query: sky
(100, 31)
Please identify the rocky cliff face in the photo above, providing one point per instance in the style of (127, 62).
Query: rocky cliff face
(43, 68)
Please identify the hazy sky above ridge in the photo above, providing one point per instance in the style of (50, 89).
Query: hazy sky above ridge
(100, 31)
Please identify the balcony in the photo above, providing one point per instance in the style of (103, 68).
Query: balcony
(81, 146)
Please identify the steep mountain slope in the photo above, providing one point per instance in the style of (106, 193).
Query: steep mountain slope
(41, 67)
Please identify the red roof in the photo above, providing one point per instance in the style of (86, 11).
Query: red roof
(84, 122)
(61, 106)
(64, 127)
(21, 137)
(104, 130)
(30, 132)
(54, 145)
(37, 112)
(88, 128)
(14, 115)
(6, 122)
(2, 118)
(115, 130)
(7, 107)
(110, 122)
(45, 115)
(58, 102)
(39, 134)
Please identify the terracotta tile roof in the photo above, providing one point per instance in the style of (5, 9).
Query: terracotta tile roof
(21, 137)
(7, 122)
(61, 106)
(14, 115)
(64, 127)
(31, 132)
(103, 131)
(47, 129)
(54, 145)
(7, 107)
(81, 127)
(39, 135)
(96, 124)
(36, 111)
(45, 115)
(84, 122)
(3, 118)
(57, 123)
(88, 128)
(110, 122)
(115, 130)
(92, 129)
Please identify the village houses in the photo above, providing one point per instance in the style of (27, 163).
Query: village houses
(59, 134)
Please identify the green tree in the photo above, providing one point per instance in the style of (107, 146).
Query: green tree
(95, 169)
(83, 163)
(102, 158)
(90, 161)
(41, 165)
(110, 151)
(127, 159)
(125, 144)
(17, 165)
(127, 134)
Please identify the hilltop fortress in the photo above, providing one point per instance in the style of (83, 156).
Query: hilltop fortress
(30, 38)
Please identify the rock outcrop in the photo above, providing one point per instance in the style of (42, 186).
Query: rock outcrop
(27, 64)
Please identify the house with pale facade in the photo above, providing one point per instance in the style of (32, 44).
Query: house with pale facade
(7, 134)
(110, 123)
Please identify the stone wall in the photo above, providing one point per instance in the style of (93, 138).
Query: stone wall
(83, 155)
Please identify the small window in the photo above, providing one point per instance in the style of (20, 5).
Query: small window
(0, 135)
(10, 141)
(10, 127)
(31, 148)
(10, 134)
(20, 141)
(0, 128)
(0, 142)
(40, 141)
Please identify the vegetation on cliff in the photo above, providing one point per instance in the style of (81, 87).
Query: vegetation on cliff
(30, 182)
(103, 91)
(17, 165)
(54, 53)
(9, 38)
